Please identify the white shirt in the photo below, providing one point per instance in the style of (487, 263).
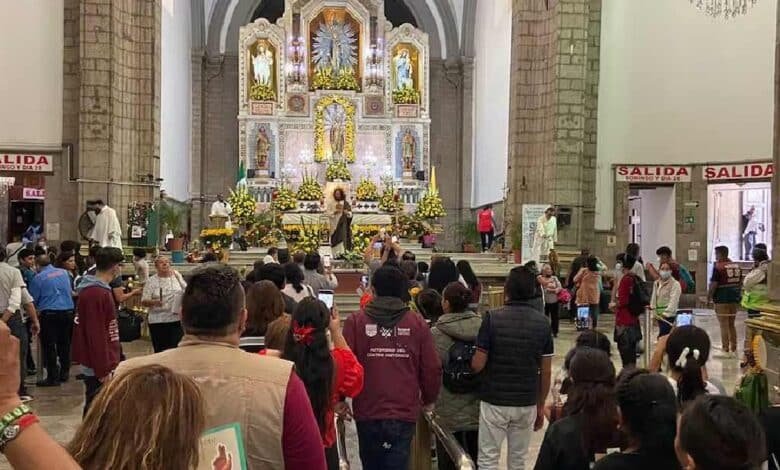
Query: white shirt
(752, 226)
(172, 290)
(298, 296)
(107, 231)
(12, 253)
(221, 209)
(709, 387)
(11, 284)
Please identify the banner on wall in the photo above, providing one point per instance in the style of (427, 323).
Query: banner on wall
(653, 173)
(40, 163)
(34, 193)
(740, 171)
(531, 213)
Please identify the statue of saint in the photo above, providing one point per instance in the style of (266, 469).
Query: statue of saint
(337, 138)
(262, 150)
(261, 66)
(335, 50)
(402, 64)
(409, 147)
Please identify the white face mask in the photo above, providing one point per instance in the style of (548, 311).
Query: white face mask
(618, 267)
(665, 274)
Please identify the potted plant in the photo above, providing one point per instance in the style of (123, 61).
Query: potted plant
(469, 236)
(172, 218)
(517, 243)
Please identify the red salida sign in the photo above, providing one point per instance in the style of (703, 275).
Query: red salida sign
(652, 173)
(19, 162)
(740, 171)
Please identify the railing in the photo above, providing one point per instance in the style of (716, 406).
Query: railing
(341, 443)
(451, 445)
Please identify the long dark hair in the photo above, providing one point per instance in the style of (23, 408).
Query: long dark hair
(457, 296)
(294, 276)
(694, 343)
(592, 394)
(443, 271)
(465, 270)
(428, 303)
(307, 347)
(649, 414)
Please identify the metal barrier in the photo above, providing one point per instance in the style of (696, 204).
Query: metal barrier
(647, 343)
(450, 444)
(341, 443)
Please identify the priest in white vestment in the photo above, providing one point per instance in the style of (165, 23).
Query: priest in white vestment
(107, 230)
(546, 234)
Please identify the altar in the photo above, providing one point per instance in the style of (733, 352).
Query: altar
(333, 93)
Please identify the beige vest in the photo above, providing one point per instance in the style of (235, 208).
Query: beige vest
(239, 387)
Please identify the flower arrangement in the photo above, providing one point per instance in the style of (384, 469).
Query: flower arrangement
(430, 206)
(138, 214)
(310, 189)
(319, 127)
(272, 238)
(264, 231)
(367, 191)
(412, 227)
(390, 201)
(216, 238)
(262, 92)
(283, 199)
(308, 239)
(243, 205)
(338, 170)
(361, 236)
(406, 95)
(325, 79)
(346, 80)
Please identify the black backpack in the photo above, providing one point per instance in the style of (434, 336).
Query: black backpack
(457, 374)
(638, 299)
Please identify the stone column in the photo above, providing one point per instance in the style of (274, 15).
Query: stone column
(774, 271)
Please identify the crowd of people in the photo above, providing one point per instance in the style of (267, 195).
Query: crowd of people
(267, 358)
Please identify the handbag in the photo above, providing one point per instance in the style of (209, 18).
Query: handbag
(564, 296)
(129, 325)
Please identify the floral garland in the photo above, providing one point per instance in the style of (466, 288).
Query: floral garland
(430, 206)
(366, 191)
(262, 92)
(283, 199)
(337, 170)
(319, 127)
(406, 95)
(310, 189)
(243, 206)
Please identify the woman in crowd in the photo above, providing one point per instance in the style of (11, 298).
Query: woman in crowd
(687, 349)
(648, 421)
(486, 226)
(328, 373)
(149, 418)
(589, 427)
(459, 411)
(465, 270)
(162, 294)
(264, 304)
(409, 268)
(754, 286)
(717, 433)
(295, 288)
(443, 272)
(67, 261)
(588, 280)
(665, 299)
(428, 303)
(551, 290)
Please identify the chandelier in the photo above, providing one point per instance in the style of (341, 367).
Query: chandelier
(726, 8)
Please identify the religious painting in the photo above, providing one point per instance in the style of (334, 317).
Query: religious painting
(261, 71)
(408, 151)
(297, 105)
(335, 46)
(374, 106)
(405, 73)
(334, 129)
(261, 147)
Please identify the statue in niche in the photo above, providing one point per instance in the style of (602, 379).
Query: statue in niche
(336, 122)
(335, 45)
(261, 66)
(409, 150)
(402, 65)
(262, 150)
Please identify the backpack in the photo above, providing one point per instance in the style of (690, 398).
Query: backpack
(689, 286)
(457, 374)
(638, 299)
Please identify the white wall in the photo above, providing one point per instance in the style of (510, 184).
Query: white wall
(493, 44)
(31, 44)
(175, 99)
(679, 87)
(657, 221)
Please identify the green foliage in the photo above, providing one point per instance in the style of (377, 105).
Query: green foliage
(172, 217)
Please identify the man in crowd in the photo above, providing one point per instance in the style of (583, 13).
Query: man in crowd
(271, 256)
(107, 230)
(274, 272)
(11, 292)
(27, 265)
(52, 292)
(96, 333)
(725, 292)
(12, 251)
(317, 281)
(514, 349)
(627, 330)
(264, 396)
(402, 371)
(665, 256)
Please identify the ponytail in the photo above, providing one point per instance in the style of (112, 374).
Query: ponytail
(688, 349)
(691, 383)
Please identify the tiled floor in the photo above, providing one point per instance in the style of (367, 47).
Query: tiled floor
(60, 407)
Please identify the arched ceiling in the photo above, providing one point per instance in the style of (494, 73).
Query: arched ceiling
(438, 18)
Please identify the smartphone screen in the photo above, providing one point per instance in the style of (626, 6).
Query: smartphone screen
(684, 319)
(364, 281)
(583, 311)
(326, 296)
(326, 261)
(378, 245)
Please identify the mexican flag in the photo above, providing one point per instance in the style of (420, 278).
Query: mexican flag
(241, 177)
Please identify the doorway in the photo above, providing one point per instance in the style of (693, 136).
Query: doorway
(734, 209)
(21, 215)
(652, 219)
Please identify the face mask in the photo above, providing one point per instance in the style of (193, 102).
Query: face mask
(618, 267)
(665, 274)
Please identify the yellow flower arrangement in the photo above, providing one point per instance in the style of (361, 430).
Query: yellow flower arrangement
(366, 191)
(243, 205)
(216, 237)
(319, 127)
(390, 200)
(310, 189)
(406, 95)
(430, 206)
(346, 80)
(337, 170)
(412, 227)
(325, 79)
(262, 92)
(308, 238)
(283, 200)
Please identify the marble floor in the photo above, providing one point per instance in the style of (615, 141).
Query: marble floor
(60, 407)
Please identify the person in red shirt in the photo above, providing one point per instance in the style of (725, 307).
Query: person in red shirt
(486, 225)
(402, 371)
(328, 374)
(628, 332)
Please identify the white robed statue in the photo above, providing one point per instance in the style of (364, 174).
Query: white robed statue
(402, 64)
(107, 230)
(261, 66)
(546, 234)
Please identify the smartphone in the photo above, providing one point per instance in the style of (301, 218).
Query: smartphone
(364, 281)
(394, 239)
(583, 312)
(378, 245)
(326, 261)
(684, 318)
(326, 296)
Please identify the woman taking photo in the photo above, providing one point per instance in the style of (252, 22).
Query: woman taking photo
(589, 426)
(665, 299)
(327, 374)
(648, 421)
(295, 288)
(162, 294)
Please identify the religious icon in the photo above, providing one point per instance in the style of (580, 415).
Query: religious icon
(403, 69)
(262, 64)
(336, 122)
(409, 147)
(335, 45)
(262, 150)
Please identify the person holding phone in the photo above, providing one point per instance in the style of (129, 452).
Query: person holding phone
(665, 299)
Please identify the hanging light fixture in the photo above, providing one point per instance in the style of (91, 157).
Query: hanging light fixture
(725, 8)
